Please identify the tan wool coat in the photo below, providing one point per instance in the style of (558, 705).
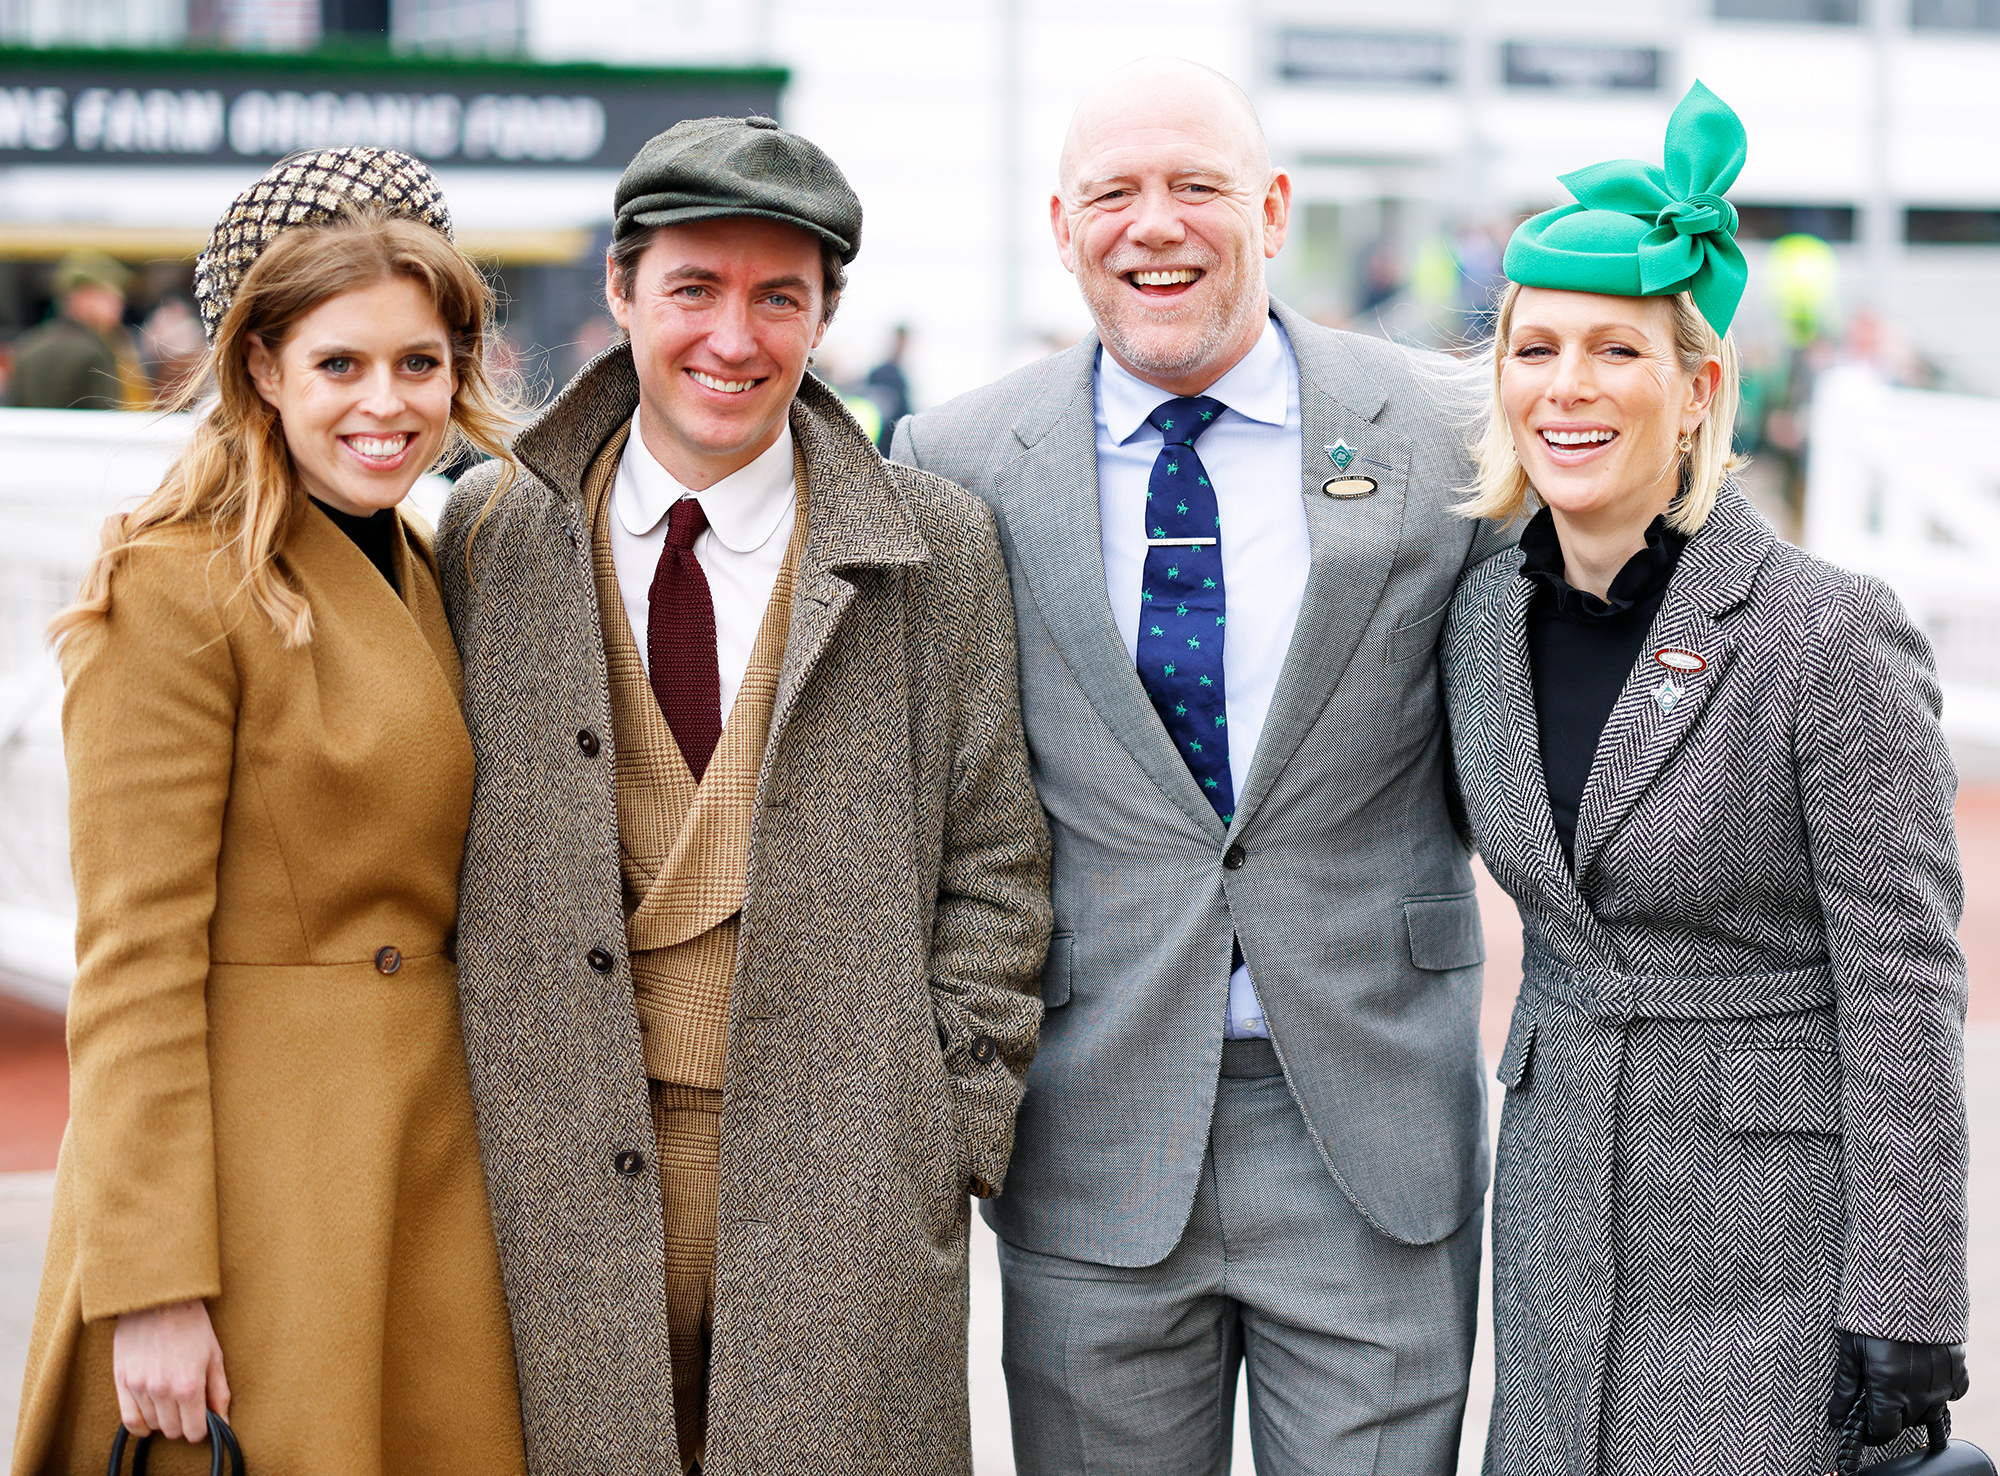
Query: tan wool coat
(269, 1103)
(883, 1010)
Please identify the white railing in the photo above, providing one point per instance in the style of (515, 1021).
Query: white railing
(1905, 485)
(62, 472)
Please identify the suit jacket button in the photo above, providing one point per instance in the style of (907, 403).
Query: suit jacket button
(1232, 859)
(629, 1164)
(984, 1049)
(587, 741)
(598, 959)
(387, 960)
(981, 1189)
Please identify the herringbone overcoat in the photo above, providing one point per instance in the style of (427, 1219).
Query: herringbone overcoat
(1734, 1115)
(896, 911)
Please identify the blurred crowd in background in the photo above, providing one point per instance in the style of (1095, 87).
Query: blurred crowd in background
(90, 332)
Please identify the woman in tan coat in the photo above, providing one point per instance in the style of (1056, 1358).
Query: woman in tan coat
(270, 1202)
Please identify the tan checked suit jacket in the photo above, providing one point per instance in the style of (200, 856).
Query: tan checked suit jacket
(684, 848)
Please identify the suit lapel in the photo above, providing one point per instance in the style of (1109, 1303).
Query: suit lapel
(1717, 569)
(1048, 497)
(1354, 543)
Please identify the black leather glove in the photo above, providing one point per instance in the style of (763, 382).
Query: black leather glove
(1906, 1384)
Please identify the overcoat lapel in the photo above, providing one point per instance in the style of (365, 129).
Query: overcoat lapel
(1717, 569)
(417, 577)
(1048, 496)
(1354, 543)
(1530, 845)
(858, 522)
(412, 624)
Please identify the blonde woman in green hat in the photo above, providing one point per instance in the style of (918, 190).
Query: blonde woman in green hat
(1729, 1206)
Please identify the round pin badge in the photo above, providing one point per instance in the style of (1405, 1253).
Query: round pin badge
(1673, 658)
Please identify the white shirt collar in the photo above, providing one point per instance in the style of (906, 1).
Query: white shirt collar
(1256, 387)
(744, 509)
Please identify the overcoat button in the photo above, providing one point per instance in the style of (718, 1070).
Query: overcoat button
(984, 1048)
(598, 959)
(1232, 859)
(387, 960)
(629, 1164)
(981, 1189)
(587, 741)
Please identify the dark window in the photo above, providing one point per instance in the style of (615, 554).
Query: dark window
(1808, 12)
(1955, 15)
(1570, 68)
(1768, 222)
(1952, 227)
(1365, 57)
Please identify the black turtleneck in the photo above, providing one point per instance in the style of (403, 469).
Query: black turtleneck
(374, 535)
(1582, 649)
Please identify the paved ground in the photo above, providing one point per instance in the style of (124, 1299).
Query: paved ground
(33, 1082)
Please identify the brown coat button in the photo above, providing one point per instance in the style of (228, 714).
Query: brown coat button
(984, 1048)
(387, 960)
(1232, 859)
(981, 1189)
(587, 741)
(629, 1164)
(598, 959)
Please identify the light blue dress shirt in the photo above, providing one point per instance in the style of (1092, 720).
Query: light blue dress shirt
(1253, 456)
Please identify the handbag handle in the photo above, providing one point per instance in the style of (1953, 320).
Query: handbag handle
(221, 1445)
(1847, 1454)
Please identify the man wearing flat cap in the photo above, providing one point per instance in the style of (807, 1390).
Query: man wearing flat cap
(755, 896)
(82, 358)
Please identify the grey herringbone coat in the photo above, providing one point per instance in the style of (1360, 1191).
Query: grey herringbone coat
(1734, 1115)
(896, 910)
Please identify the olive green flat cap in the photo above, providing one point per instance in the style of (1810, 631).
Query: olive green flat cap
(707, 168)
(91, 268)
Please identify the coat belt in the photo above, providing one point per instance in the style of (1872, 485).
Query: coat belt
(1617, 998)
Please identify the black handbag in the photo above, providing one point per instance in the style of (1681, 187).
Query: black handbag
(1943, 1457)
(221, 1446)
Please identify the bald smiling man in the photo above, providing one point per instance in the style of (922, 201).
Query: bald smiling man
(1254, 1133)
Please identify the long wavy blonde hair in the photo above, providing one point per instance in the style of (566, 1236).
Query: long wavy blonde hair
(235, 476)
(1502, 491)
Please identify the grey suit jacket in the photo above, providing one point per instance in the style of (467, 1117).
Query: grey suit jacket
(1353, 899)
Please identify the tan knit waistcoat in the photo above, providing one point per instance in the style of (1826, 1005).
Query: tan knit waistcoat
(683, 847)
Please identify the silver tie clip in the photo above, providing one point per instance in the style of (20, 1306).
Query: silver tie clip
(1182, 542)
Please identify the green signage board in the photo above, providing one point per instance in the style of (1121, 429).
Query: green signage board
(194, 108)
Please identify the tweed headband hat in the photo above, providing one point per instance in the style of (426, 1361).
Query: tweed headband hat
(1641, 231)
(310, 190)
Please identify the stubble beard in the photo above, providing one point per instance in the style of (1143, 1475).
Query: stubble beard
(1147, 340)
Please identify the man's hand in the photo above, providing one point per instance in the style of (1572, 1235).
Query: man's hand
(1906, 1384)
(167, 1367)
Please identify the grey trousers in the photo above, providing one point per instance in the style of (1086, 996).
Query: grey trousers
(1358, 1347)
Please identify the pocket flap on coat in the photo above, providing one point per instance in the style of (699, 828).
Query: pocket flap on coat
(1518, 1056)
(1444, 931)
(1779, 1089)
(1055, 970)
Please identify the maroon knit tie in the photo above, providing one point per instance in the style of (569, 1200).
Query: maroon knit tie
(680, 641)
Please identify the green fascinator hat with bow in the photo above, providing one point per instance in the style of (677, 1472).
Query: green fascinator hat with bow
(1638, 231)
